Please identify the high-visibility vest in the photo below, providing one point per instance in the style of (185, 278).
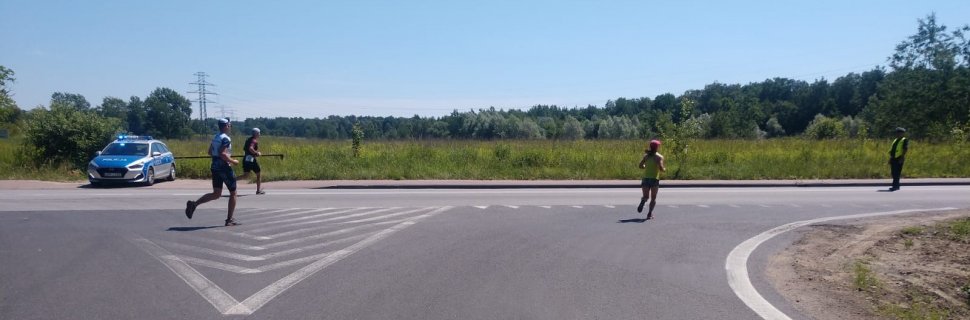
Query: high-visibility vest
(894, 151)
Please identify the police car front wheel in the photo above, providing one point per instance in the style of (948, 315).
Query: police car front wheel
(150, 178)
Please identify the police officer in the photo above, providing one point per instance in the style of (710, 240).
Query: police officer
(897, 155)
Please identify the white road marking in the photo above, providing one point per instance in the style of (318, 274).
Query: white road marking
(734, 206)
(212, 252)
(224, 243)
(513, 207)
(764, 206)
(672, 206)
(227, 305)
(327, 214)
(481, 207)
(303, 223)
(219, 299)
(251, 221)
(578, 207)
(244, 257)
(539, 190)
(260, 213)
(794, 205)
(244, 270)
(386, 216)
(260, 298)
(826, 205)
(609, 206)
(703, 206)
(736, 263)
(546, 207)
(323, 235)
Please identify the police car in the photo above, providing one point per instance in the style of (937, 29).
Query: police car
(132, 159)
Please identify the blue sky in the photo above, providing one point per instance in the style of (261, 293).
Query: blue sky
(401, 58)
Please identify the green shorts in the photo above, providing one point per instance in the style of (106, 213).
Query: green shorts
(649, 182)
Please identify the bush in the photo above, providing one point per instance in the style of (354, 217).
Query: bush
(64, 134)
(823, 127)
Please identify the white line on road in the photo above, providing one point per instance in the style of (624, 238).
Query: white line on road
(578, 207)
(304, 223)
(481, 207)
(736, 263)
(219, 299)
(734, 206)
(385, 216)
(703, 206)
(323, 235)
(609, 206)
(260, 298)
(513, 207)
(546, 207)
(278, 216)
(227, 305)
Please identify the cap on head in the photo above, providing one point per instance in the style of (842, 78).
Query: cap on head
(223, 122)
(900, 130)
(255, 130)
(654, 145)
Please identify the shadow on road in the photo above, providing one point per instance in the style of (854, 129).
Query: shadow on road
(191, 228)
(632, 221)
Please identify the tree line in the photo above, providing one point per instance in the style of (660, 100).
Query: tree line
(926, 89)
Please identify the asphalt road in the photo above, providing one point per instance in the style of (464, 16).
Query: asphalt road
(128, 253)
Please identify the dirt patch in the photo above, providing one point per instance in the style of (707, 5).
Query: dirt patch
(913, 266)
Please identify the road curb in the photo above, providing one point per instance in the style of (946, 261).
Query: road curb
(672, 184)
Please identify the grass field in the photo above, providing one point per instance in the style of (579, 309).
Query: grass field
(532, 160)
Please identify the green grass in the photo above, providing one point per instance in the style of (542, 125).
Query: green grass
(535, 160)
(960, 230)
(918, 308)
(865, 279)
(912, 231)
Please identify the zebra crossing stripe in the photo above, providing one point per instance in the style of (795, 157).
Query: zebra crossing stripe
(323, 235)
(301, 223)
(386, 216)
(227, 305)
(219, 299)
(277, 216)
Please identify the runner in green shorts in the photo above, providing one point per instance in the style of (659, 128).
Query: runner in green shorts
(653, 162)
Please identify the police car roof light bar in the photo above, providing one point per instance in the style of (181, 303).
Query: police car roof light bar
(127, 137)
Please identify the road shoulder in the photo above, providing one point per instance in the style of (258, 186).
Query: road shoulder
(862, 269)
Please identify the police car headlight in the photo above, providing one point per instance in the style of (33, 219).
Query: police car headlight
(136, 166)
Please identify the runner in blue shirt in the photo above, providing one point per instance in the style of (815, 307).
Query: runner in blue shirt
(221, 152)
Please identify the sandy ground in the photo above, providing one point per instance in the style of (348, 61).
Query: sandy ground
(914, 271)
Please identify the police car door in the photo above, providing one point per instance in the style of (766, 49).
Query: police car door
(157, 155)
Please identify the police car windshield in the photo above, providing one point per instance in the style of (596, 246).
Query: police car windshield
(126, 149)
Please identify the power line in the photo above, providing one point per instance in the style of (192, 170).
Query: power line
(203, 94)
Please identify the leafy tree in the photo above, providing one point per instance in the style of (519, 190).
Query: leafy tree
(168, 114)
(9, 112)
(137, 116)
(928, 90)
(773, 128)
(70, 100)
(572, 129)
(823, 127)
(680, 136)
(66, 134)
